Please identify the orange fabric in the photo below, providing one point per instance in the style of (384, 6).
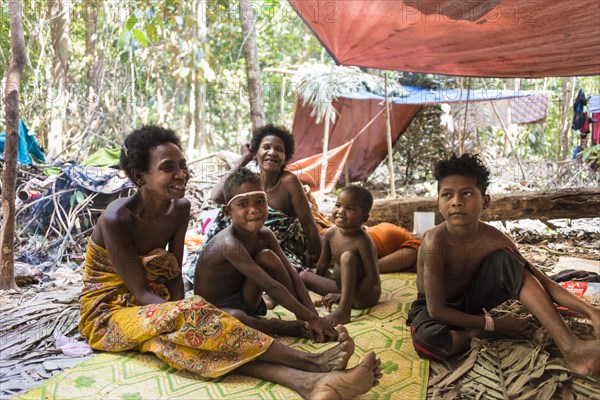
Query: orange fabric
(352, 116)
(312, 167)
(494, 38)
(389, 238)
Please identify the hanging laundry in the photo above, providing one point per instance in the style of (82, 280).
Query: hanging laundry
(596, 129)
(579, 116)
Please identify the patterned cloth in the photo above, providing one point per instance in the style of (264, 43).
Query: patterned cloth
(132, 375)
(189, 334)
(103, 180)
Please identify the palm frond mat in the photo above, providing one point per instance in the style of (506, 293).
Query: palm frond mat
(134, 375)
(513, 369)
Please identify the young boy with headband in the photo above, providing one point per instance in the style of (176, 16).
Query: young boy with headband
(245, 260)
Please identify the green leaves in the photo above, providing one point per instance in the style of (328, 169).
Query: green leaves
(140, 37)
(78, 197)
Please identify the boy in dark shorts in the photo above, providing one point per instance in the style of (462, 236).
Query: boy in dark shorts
(466, 267)
(245, 259)
(355, 281)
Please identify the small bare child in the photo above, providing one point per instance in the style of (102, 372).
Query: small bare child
(355, 280)
(466, 267)
(245, 259)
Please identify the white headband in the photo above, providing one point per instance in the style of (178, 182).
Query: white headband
(245, 195)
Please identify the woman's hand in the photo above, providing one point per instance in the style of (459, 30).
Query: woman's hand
(247, 155)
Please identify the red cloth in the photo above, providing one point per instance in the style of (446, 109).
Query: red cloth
(596, 129)
(494, 38)
(389, 238)
(353, 115)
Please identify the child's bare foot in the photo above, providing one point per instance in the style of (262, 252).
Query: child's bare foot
(584, 357)
(348, 384)
(338, 317)
(337, 357)
(271, 304)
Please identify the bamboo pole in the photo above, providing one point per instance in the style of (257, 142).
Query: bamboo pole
(462, 134)
(324, 160)
(389, 140)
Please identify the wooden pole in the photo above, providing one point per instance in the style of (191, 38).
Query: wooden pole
(390, 151)
(9, 174)
(463, 133)
(324, 160)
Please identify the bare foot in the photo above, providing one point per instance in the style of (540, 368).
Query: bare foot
(271, 304)
(348, 384)
(337, 317)
(584, 357)
(337, 357)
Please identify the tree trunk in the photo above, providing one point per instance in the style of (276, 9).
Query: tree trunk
(13, 77)
(197, 137)
(562, 203)
(565, 117)
(96, 64)
(247, 18)
(59, 96)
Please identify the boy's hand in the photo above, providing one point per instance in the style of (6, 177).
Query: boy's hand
(321, 330)
(330, 299)
(511, 324)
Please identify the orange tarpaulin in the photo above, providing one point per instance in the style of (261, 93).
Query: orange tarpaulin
(498, 38)
(310, 169)
(369, 148)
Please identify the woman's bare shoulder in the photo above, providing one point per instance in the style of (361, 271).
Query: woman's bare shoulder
(289, 179)
(118, 211)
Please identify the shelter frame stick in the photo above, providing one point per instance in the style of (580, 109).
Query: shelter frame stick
(512, 147)
(324, 161)
(463, 133)
(389, 139)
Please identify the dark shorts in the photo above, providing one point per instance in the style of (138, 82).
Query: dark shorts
(236, 301)
(498, 279)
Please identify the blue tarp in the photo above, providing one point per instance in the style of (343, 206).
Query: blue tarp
(417, 95)
(27, 146)
(594, 104)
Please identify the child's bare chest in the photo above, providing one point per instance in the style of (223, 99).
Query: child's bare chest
(255, 246)
(342, 244)
(463, 259)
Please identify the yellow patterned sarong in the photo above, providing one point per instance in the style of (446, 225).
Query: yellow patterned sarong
(188, 334)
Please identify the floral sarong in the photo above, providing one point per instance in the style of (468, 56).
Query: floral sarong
(188, 334)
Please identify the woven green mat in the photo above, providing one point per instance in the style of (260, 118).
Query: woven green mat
(132, 375)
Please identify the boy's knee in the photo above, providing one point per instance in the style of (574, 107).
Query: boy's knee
(304, 274)
(432, 341)
(266, 256)
(237, 314)
(349, 258)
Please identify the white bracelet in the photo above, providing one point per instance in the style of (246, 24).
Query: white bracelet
(489, 323)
